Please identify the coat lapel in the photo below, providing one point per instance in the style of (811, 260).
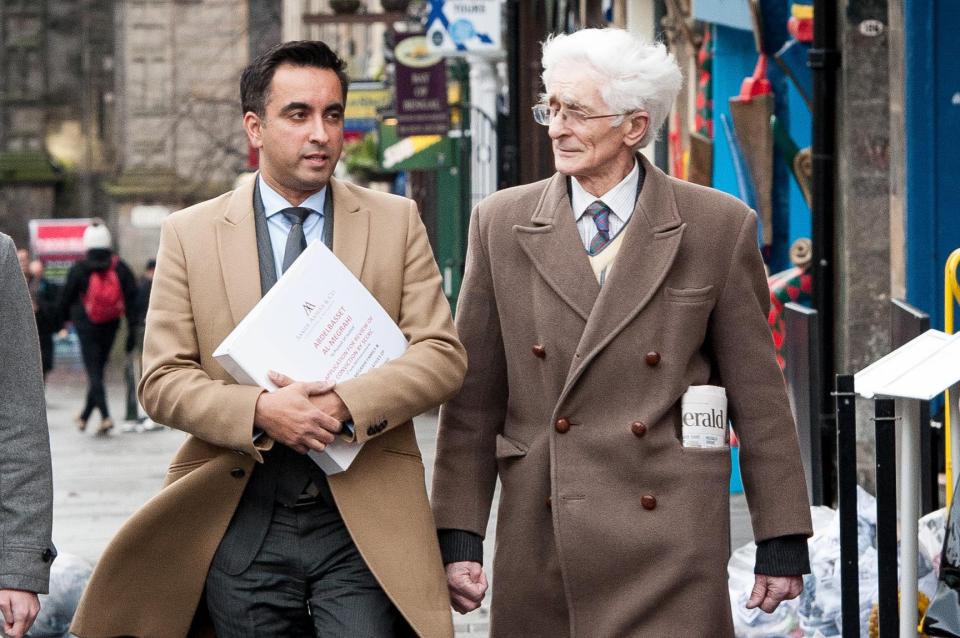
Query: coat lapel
(649, 248)
(553, 245)
(351, 227)
(237, 248)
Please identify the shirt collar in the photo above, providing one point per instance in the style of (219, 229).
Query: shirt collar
(621, 199)
(274, 202)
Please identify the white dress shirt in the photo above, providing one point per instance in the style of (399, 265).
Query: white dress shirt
(279, 226)
(621, 200)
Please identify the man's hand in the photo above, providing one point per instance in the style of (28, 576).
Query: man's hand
(19, 609)
(770, 591)
(467, 584)
(289, 417)
(327, 400)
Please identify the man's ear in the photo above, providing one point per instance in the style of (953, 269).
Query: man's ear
(253, 126)
(637, 124)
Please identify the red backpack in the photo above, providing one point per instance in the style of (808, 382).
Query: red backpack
(103, 301)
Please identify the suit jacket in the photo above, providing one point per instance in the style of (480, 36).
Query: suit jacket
(608, 526)
(150, 579)
(26, 487)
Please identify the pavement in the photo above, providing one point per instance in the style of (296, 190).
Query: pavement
(100, 480)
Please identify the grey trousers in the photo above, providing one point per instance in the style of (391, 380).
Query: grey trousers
(307, 579)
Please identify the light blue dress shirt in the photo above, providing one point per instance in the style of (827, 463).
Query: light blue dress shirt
(279, 225)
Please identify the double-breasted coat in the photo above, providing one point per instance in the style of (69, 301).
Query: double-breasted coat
(149, 582)
(607, 525)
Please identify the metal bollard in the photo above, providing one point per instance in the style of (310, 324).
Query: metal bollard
(886, 442)
(847, 502)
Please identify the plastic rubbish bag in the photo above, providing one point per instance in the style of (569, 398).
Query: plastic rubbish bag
(68, 578)
(755, 623)
(943, 614)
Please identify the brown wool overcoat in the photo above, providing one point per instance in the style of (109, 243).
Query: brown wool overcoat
(608, 527)
(150, 579)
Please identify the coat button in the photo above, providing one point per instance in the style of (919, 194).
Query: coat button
(652, 358)
(238, 472)
(638, 428)
(549, 502)
(47, 555)
(562, 425)
(539, 351)
(648, 501)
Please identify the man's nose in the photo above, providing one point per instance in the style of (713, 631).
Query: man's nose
(318, 131)
(557, 126)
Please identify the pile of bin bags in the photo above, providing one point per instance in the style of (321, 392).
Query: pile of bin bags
(817, 611)
(68, 578)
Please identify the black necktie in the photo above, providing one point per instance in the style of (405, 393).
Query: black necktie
(296, 240)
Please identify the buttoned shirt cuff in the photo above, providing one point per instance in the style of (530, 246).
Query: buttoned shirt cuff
(783, 556)
(458, 545)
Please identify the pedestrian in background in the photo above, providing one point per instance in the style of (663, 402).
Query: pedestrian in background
(100, 289)
(136, 419)
(591, 303)
(26, 495)
(45, 296)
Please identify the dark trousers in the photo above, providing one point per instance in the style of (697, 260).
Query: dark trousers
(46, 352)
(96, 341)
(307, 580)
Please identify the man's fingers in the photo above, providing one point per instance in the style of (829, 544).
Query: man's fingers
(483, 582)
(21, 617)
(462, 604)
(313, 444)
(470, 590)
(318, 387)
(759, 592)
(279, 379)
(327, 422)
(6, 608)
(770, 591)
(769, 604)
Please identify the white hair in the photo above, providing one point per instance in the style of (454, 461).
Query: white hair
(633, 74)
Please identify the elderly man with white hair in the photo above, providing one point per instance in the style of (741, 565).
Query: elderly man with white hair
(592, 301)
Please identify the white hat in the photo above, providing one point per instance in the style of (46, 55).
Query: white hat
(96, 236)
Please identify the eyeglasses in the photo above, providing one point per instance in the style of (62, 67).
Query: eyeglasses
(543, 114)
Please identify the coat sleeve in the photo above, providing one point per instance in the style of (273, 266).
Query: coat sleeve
(26, 489)
(465, 471)
(432, 368)
(174, 389)
(759, 410)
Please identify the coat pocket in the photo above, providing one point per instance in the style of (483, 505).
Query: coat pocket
(407, 455)
(688, 295)
(508, 448)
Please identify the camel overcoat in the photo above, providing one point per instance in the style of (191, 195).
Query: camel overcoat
(608, 527)
(150, 579)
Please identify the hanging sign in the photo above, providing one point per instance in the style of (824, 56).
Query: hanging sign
(464, 26)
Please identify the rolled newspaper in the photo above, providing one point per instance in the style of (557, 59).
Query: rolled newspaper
(704, 417)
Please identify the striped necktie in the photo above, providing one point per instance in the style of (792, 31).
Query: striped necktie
(601, 217)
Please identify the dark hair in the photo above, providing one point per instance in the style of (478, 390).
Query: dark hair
(256, 78)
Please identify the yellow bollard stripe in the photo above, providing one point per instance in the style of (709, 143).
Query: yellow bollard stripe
(951, 295)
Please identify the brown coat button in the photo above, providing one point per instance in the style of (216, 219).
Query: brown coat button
(652, 358)
(549, 503)
(562, 425)
(638, 428)
(538, 350)
(237, 472)
(648, 501)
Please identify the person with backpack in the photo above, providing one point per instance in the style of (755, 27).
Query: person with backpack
(100, 289)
